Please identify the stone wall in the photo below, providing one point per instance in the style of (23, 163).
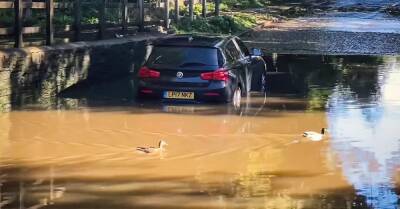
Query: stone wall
(37, 74)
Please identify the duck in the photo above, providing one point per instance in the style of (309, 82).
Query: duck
(161, 146)
(314, 136)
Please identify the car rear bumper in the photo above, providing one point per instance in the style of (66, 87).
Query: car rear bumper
(218, 91)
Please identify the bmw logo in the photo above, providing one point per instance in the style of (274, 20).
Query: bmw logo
(179, 74)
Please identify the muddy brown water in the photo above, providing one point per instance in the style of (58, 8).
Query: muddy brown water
(217, 156)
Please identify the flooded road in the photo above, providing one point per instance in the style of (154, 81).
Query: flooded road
(83, 154)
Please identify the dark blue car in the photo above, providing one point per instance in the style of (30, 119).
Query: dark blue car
(201, 68)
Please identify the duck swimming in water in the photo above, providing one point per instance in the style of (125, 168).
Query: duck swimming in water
(160, 148)
(314, 136)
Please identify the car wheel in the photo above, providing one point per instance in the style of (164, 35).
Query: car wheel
(237, 97)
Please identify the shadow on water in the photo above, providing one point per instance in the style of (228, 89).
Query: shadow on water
(293, 76)
(35, 76)
(53, 188)
(295, 82)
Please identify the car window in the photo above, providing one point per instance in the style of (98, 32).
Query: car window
(231, 52)
(183, 56)
(242, 47)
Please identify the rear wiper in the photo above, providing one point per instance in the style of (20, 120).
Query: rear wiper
(192, 64)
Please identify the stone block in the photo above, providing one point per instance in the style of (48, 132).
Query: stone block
(6, 99)
(5, 92)
(5, 107)
(5, 84)
(4, 75)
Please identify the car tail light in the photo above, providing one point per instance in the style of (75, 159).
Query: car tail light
(146, 72)
(220, 74)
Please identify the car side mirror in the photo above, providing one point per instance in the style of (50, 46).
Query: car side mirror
(256, 52)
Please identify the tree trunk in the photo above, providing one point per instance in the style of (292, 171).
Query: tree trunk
(204, 8)
(217, 2)
(191, 15)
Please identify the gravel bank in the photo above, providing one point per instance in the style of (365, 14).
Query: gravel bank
(324, 42)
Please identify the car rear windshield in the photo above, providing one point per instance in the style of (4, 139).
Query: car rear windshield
(183, 56)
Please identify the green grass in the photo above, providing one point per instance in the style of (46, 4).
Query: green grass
(217, 25)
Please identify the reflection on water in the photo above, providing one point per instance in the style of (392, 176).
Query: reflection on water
(363, 116)
(218, 156)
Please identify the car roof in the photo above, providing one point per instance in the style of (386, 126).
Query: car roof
(192, 40)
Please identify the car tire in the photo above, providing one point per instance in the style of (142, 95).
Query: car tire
(237, 97)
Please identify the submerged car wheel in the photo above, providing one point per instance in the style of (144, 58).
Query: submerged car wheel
(237, 97)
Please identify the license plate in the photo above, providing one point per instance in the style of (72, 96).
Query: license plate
(178, 95)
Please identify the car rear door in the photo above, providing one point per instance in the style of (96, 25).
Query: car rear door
(255, 67)
(239, 66)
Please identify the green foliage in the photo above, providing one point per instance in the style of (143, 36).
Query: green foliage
(217, 25)
(37, 18)
(113, 15)
(6, 17)
(197, 9)
(244, 4)
(91, 20)
(245, 21)
(317, 98)
(63, 20)
(90, 15)
(90, 12)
